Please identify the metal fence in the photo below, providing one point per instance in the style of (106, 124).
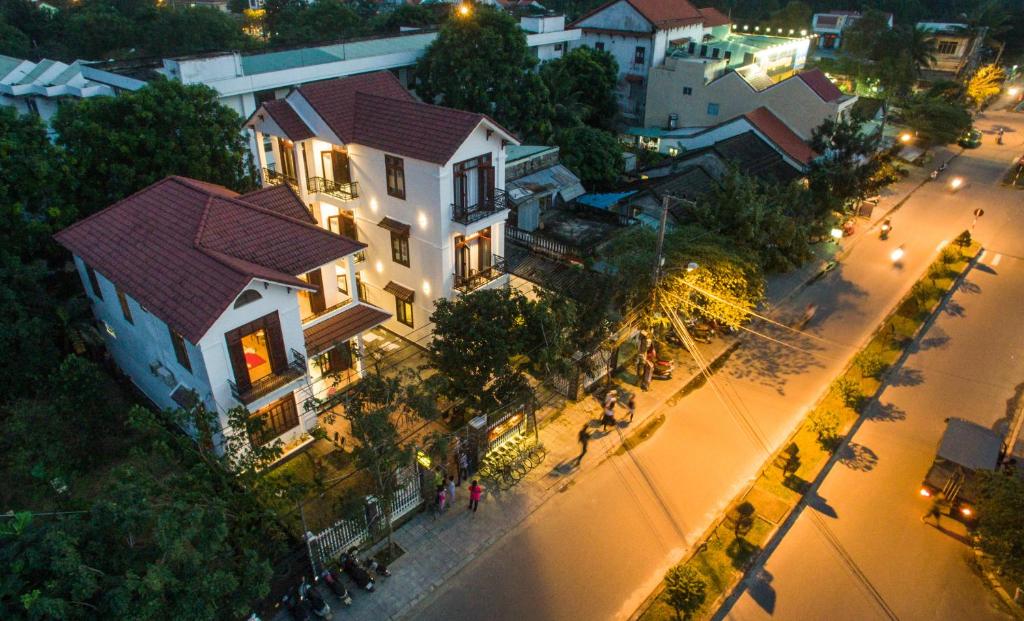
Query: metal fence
(329, 543)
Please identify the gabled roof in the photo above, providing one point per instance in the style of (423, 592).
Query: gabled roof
(185, 249)
(661, 14)
(288, 120)
(713, 17)
(373, 109)
(778, 132)
(281, 199)
(821, 85)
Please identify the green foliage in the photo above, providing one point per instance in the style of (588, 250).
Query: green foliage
(27, 332)
(685, 589)
(582, 86)
(13, 42)
(849, 391)
(936, 120)
(871, 363)
(892, 57)
(119, 145)
(840, 178)
(593, 154)
(481, 63)
(1000, 528)
(963, 239)
(794, 16)
(295, 22)
(949, 256)
(825, 423)
(174, 32)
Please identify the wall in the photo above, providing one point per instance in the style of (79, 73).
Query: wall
(134, 346)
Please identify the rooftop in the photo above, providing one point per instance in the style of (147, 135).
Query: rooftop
(665, 14)
(518, 152)
(281, 60)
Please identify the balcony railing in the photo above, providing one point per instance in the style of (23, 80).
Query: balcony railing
(272, 177)
(344, 191)
(266, 385)
(474, 281)
(468, 214)
(327, 311)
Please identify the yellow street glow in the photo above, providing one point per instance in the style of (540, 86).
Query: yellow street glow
(905, 137)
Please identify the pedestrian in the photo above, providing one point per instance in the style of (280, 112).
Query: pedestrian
(475, 492)
(641, 364)
(938, 504)
(439, 504)
(631, 406)
(450, 491)
(438, 477)
(608, 420)
(610, 399)
(463, 467)
(649, 361)
(584, 439)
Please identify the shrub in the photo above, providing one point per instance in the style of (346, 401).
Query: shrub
(825, 423)
(849, 390)
(963, 239)
(936, 271)
(949, 256)
(685, 590)
(871, 364)
(922, 292)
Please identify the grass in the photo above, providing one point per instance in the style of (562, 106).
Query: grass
(725, 555)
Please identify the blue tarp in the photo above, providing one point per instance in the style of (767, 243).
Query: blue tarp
(604, 201)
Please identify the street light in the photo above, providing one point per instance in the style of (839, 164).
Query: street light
(464, 9)
(905, 137)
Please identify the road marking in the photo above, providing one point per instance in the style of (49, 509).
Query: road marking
(942, 244)
(996, 260)
(982, 256)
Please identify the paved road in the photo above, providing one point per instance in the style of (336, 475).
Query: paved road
(596, 551)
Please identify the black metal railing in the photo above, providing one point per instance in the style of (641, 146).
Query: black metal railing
(468, 214)
(272, 177)
(544, 245)
(327, 311)
(477, 279)
(264, 386)
(344, 191)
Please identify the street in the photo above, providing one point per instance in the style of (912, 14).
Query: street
(597, 550)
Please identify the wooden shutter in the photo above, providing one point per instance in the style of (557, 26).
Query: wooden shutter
(317, 301)
(275, 342)
(341, 171)
(234, 340)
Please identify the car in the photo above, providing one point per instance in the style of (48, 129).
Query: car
(966, 450)
(970, 140)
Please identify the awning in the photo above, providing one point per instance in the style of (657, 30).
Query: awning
(395, 226)
(342, 327)
(400, 292)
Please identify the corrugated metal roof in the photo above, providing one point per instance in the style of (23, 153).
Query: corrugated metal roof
(604, 201)
(557, 177)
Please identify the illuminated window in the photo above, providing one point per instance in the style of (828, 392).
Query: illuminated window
(403, 312)
(395, 169)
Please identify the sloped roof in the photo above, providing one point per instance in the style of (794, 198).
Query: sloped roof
(334, 100)
(778, 132)
(713, 17)
(661, 13)
(186, 249)
(820, 84)
(287, 119)
(342, 327)
(281, 199)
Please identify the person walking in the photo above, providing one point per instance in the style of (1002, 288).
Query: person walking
(631, 406)
(463, 467)
(475, 492)
(610, 399)
(608, 419)
(450, 491)
(439, 503)
(938, 504)
(584, 438)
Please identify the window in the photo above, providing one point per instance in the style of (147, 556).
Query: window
(638, 55)
(403, 311)
(673, 151)
(400, 248)
(125, 310)
(712, 109)
(180, 352)
(248, 297)
(727, 55)
(599, 46)
(703, 51)
(395, 168)
(947, 47)
(256, 351)
(687, 90)
(336, 360)
(94, 282)
(714, 52)
(278, 418)
(691, 47)
(343, 281)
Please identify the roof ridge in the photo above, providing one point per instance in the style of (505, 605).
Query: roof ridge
(126, 198)
(281, 216)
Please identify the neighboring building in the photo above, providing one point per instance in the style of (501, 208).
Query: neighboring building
(536, 182)
(231, 299)
(829, 27)
(762, 122)
(693, 93)
(38, 88)
(422, 185)
(639, 34)
(957, 49)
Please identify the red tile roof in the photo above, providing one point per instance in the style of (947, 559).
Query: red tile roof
(186, 249)
(342, 327)
(281, 199)
(821, 85)
(713, 17)
(660, 13)
(288, 119)
(773, 128)
(334, 100)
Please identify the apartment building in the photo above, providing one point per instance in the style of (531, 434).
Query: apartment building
(829, 28)
(234, 300)
(957, 49)
(422, 186)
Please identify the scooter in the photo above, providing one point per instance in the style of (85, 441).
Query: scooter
(316, 601)
(883, 233)
(376, 567)
(332, 579)
(299, 608)
(352, 568)
(999, 137)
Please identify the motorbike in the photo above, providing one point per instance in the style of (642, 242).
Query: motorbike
(999, 137)
(332, 579)
(319, 606)
(663, 369)
(376, 567)
(299, 608)
(884, 231)
(354, 570)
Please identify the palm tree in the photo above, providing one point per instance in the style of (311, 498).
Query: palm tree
(920, 48)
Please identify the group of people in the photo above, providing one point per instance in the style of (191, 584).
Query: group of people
(611, 398)
(445, 486)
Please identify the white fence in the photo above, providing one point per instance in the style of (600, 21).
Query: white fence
(353, 531)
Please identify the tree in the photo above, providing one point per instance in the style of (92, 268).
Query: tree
(985, 84)
(481, 63)
(119, 145)
(685, 590)
(841, 176)
(297, 22)
(794, 16)
(174, 32)
(13, 42)
(27, 333)
(582, 85)
(863, 38)
(936, 120)
(919, 45)
(593, 154)
(1000, 529)
(411, 15)
(98, 31)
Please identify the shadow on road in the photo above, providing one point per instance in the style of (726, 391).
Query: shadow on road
(762, 591)
(858, 457)
(885, 412)
(906, 377)
(815, 501)
(954, 309)
(969, 287)
(988, 269)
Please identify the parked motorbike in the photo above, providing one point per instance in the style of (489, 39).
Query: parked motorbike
(999, 137)
(332, 579)
(299, 608)
(376, 567)
(663, 369)
(317, 603)
(354, 570)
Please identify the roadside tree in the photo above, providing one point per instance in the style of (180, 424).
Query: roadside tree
(937, 121)
(985, 84)
(1000, 528)
(685, 590)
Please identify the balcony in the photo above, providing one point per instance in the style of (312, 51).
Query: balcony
(272, 177)
(468, 284)
(468, 214)
(343, 191)
(315, 317)
(264, 386)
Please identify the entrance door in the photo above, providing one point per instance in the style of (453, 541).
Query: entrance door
(483, 247)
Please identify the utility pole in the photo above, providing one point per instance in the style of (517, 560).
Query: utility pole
(661, 239)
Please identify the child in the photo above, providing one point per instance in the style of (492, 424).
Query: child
(475, 492)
